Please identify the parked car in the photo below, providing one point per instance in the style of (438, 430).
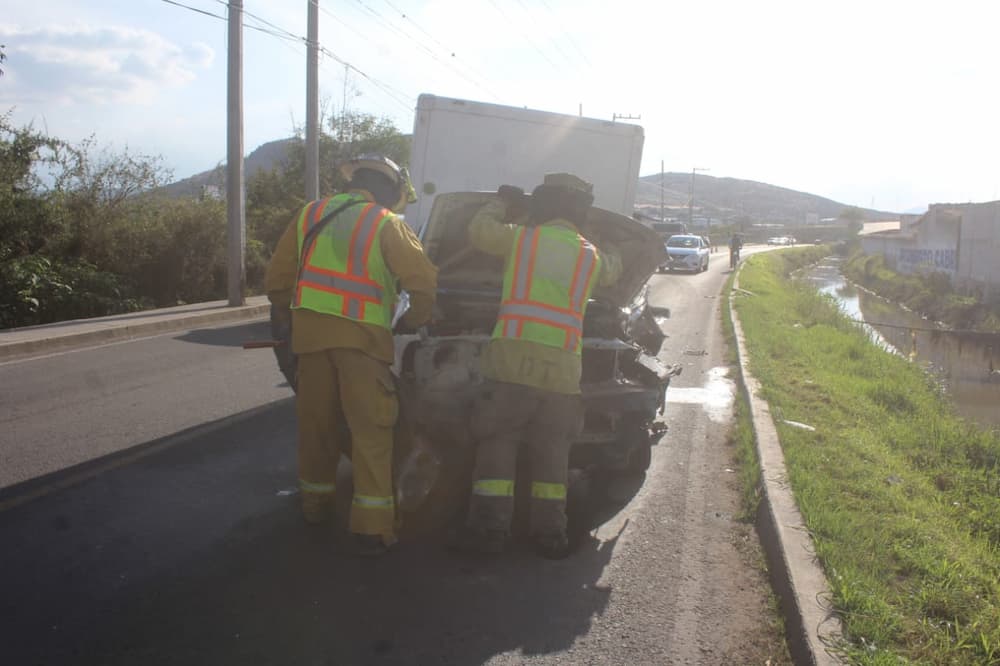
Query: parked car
(781, 240)
(686, 252)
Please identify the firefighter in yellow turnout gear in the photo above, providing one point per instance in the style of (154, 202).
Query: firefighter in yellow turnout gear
(532, 364)
(337, 267)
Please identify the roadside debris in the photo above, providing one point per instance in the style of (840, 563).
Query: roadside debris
(796, 424)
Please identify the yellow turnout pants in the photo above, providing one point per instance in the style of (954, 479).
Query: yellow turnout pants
(338, 387)
(507, 415)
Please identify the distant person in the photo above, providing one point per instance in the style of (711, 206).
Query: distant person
(735, 245)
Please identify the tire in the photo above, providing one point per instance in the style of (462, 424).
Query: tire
(640, 457)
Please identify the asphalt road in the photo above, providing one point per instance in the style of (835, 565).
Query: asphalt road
(194, 553)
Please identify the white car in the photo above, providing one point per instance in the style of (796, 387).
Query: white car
(781, 240)
(686, 252)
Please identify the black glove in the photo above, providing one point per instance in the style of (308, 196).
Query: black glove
(515, 200)
(511, 195)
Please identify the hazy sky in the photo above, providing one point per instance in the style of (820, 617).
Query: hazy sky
(895, 104)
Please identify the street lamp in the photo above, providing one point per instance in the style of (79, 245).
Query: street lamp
(691, 199)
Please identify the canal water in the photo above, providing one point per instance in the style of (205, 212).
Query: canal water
(968, 364)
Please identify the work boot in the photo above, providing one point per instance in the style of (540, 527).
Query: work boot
(476, 540)
(552, 546)
(371, 545)
(317, 510)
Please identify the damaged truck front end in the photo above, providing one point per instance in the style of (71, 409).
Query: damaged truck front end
(623, 382)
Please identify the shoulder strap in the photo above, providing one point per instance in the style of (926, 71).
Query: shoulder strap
(314, 231)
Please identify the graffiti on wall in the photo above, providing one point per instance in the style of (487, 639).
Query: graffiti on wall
(944, 260)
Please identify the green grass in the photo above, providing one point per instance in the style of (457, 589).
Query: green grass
(901, 496)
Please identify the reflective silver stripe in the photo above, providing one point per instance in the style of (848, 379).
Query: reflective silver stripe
(345, 285)
(493, 488)
(589, 257)
(574, 341)
(510, 328)
(310, 487)
(364, 228)
(372, 501)
(523, 264)
(537, 312)
(353, 307)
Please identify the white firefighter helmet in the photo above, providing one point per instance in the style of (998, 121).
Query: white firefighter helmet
(383, 165)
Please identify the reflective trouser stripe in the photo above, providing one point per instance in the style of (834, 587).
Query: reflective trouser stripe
(372, 502)
(309, 487)
(548, 491)
(493, 488)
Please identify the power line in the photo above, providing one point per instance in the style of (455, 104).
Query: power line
(405, 35)
(438, 42)
(569, 36)
(526, 36)
(195, 9)
(397, 95)
(415, 25)
(280, 33)
(553, 43)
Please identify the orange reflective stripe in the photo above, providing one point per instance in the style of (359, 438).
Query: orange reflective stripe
(355, 286)
(373, 227)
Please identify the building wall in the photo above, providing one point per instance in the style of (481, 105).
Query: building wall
(979, 250)
(936, 245)
(961, 240)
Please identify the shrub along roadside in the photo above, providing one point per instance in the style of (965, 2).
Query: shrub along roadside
(901, 496)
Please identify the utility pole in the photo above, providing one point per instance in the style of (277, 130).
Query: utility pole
(691, 198)
(312, 101)
(235, 194)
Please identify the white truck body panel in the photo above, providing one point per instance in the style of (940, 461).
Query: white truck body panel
(465, 146)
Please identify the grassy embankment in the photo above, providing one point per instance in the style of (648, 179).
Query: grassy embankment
(930, 295)
(901, 496)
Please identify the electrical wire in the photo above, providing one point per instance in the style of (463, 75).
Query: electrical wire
(553, 43)
(443, 47)
(386, 23)
(280, 33)
(527, 37)
(397, 95)
(194, 9)
(569, 36)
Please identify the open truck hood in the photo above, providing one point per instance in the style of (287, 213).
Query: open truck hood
(460, 266)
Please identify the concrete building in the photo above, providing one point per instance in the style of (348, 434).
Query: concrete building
(959, 240)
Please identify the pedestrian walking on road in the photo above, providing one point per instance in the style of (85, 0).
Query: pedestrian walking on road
(532, 364)
(336, 268)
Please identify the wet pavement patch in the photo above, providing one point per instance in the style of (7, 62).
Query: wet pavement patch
(716, 396)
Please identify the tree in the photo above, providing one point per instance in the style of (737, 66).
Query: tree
(3, 57)
(274, 197)
(855, 218)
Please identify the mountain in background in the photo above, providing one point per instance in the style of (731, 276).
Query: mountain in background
(723, 200)
(728, 199)
(264, 158)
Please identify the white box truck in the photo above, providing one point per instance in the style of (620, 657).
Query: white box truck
(465, 146)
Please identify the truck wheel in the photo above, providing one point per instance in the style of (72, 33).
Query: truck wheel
(639, 457)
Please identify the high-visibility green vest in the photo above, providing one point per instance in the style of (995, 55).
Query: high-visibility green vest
(549, 276)
(342, 271)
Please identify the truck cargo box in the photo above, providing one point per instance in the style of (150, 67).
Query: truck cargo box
(465, 146)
